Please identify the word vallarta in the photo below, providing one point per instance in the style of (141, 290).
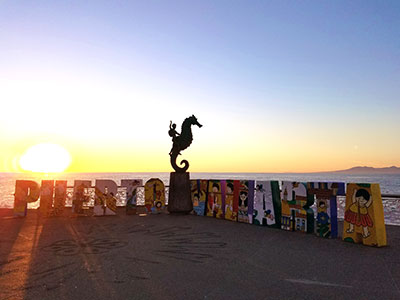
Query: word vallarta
(289, 206)
(53, 194)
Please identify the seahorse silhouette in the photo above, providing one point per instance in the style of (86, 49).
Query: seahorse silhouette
(181, 142)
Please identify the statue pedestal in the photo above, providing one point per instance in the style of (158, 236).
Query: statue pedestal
(179, 199)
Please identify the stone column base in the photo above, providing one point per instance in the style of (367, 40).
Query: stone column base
(179, 200)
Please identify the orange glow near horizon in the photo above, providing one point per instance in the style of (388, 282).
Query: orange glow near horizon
(208, 153)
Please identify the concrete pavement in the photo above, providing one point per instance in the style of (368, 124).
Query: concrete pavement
(185, 257)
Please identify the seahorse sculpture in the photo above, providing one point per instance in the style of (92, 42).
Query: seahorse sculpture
(181, 141)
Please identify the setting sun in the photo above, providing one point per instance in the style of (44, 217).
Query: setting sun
(45, 158)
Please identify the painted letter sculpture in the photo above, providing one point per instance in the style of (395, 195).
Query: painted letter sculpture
(181, 142)
(363, 219)
(325, 194)
(297, 214)
(26, 191)
(267, 204)
(154, 196)
(198, 190)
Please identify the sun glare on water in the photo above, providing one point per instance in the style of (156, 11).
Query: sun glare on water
(45, 158)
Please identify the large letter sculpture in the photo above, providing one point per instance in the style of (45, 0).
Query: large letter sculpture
(267, 204)
(105, 203)
(232, 199)
(154, 195)
(80, 195)
(46, 197)
(198, 190)
(363, 219)
(132, 186)
(26, 191)
(296, 212)
(216, 199)
(60, 195)
(325, 194)
(246, 201)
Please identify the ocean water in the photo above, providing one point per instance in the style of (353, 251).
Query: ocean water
(389, 183)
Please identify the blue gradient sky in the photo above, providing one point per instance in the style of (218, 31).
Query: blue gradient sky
(279, 85)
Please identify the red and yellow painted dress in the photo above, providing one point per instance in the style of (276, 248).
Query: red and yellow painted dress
(358, 216)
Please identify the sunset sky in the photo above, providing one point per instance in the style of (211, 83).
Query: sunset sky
(279, 86)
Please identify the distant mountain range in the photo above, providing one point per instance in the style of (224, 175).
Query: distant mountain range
(369, 170)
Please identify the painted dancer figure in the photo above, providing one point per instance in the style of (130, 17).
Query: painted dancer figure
(357, 213)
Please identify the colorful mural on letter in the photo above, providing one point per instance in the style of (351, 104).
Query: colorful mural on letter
(105, 203)
(131, 194)
(154, 196)
(26, 191)
(232, 199)
(325, 195)
(296, 212)
(198, 190)
(60, 195)
(246, 201)
(46, 198)
(267, 204)
(363, 219)
(81, 195)
(216, 199)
